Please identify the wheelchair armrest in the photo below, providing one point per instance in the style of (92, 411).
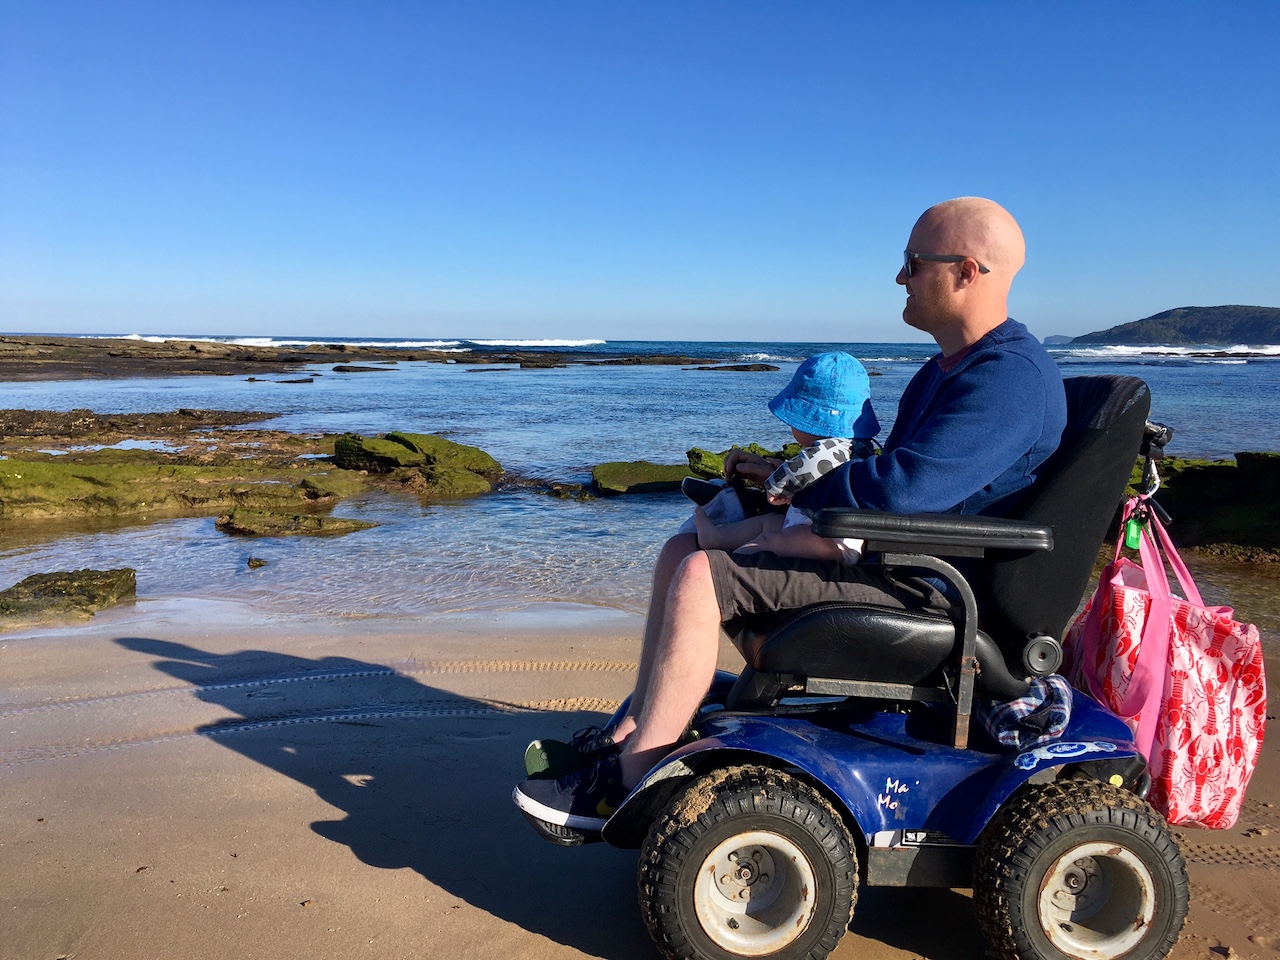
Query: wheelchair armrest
(936, 534)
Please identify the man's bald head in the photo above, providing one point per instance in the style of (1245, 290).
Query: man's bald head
(957, 302)
(978, 228)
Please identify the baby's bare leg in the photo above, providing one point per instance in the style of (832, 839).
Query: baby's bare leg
(728, 536)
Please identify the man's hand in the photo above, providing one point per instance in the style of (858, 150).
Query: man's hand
(749, 466)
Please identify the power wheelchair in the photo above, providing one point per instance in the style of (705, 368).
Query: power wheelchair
(844, 753)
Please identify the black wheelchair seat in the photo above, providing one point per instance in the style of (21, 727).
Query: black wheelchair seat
(863, 642)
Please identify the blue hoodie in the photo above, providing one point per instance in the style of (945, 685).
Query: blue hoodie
(966, 440)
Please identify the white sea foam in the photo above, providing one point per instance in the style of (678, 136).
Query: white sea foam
(863, 356)
(443, 346)
(1196, 352)
(237, 341)
(766, 358)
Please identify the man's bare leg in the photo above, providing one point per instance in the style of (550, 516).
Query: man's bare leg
(673, 553)
(681, 667)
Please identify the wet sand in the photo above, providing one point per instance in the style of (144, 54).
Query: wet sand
(192, 779)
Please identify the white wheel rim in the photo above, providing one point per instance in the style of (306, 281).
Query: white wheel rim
(755, 893)
(1097, 901)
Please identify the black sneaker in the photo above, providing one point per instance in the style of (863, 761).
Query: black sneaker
(552, 759)
(583, 800)
(562, 836)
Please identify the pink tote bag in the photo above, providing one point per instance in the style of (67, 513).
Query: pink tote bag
(1187, 678)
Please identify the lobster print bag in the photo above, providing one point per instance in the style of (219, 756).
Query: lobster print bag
(1187, 678)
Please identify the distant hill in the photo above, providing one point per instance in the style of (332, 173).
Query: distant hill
(1057, 340)
(1190, 325)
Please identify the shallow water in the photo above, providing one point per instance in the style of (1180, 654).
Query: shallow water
(518, 547)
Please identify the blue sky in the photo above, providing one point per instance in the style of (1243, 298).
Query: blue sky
(643, 170)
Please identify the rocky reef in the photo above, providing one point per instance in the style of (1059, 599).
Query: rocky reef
(258, 523)
(705, 463)
(431, 466)
(641, 476)
(68, 358)
(636, 476)
(1224, 508)
(76, 594)
(145, 484)
(87, 466)
(1228, 509)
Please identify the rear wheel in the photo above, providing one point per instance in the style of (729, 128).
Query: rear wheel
(748, 862)
(1079, 870)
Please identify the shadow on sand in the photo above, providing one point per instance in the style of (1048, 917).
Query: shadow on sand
(423, 791)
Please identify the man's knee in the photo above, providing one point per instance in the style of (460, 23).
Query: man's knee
(693, 584)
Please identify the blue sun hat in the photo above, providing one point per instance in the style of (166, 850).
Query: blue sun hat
(829, 396)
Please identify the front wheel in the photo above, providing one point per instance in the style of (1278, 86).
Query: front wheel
(1079, 870)
(748, 862)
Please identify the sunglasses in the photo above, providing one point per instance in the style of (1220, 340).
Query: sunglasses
(908, 257)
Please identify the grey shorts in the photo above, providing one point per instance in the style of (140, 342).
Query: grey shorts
(759, 584)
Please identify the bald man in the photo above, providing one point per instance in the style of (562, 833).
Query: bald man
(974, 427)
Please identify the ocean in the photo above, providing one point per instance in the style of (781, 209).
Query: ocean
(518, 548)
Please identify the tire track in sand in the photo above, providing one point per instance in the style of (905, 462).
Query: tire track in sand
(365, 713)
(1262, 923)
(397, 668)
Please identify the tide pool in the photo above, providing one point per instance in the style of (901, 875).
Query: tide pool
(518, 547)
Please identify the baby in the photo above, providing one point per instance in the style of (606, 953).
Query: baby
(827, 405)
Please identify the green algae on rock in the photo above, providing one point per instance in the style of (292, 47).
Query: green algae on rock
(332, 485)
(641, 476)
(710, 465)
(260, 523)
(441, 450)
(637, 476)
(76, 593)
(1225, 508)
(66, 466)
(141, 484)
(374, 454)
(442, 469)
(448, 481)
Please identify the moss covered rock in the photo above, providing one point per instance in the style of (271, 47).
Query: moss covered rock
(447, 481)
(442, 469)
(141, 484)
(704, 463)
(375, 455)
(1260, 472)
(1224, 504)
(332, 485)
(637, 476)
(258, 523)
(568, 491)
(442, 450)
(78, 593)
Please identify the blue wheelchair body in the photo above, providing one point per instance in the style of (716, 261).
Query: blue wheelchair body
(843, 753)
(891, 772)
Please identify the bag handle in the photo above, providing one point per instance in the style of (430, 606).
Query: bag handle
(1180, 570)
(1152, 667)
(1146, 685)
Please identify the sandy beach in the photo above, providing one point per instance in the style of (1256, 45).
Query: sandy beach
(191, 779)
